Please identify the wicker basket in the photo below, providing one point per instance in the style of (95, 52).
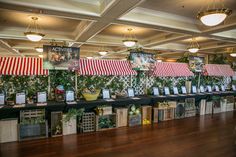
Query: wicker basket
(91, 96)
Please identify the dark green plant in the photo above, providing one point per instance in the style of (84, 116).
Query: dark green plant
(183, 59)
(62, 77)
(72, 113)
(218, 59)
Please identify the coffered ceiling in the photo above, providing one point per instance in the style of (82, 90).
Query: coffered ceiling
(162, 27)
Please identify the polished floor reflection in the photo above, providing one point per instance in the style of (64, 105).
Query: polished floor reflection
(204, 136)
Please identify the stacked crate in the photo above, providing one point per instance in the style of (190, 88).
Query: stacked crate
(146, 114)
(180, 110)
(167, 112)
(190, 108)
(209, 106)
(121, 117)
(230, 103)
(34, 129)
(202, 107)
(8, 130)
(56, 124)
(88, 122)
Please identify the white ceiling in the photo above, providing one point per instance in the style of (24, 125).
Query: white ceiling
(161, 26)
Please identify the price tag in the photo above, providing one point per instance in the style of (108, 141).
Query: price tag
(70, 96)
(175, 89)
(156, 91)
(20, 98)
(194, 89)
(106, 94)
(184, 90)
(42, 97)
(166, 90)
(223, 88)
(217, 88)
(209, 89)
(130, 92)
(234, 87)
(2, 99)
(202, 90)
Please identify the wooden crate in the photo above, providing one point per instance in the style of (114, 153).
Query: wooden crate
(190, 108)
(69, 127)
(88, 122)
(166, 113)
(33, 129)
(180, 110)
(56, 124)
(223, 104)
(202, 107)
(155, 114)
(8, 130)
(105, 122)
(216, 106)
(121, 117)
(209, 105)
(135, 120)
(106, 110)
(230, 103)
(146, 114)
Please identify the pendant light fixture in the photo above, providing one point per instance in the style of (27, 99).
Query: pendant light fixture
(102, 51)
(194, 46)
(129, 40)
(33, 30)
(214, 14)
(39, 49)
(233, 53)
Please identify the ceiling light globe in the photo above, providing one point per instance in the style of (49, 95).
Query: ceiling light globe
(193, 50)
(213, 19)
(102, 53)
(39, 49)
(41, 56)
(32, 36)
(89, 57)
(129, 43)
(233, 54)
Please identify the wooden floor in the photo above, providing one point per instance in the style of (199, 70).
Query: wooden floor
(204, 136)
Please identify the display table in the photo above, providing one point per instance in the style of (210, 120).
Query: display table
(10, 112)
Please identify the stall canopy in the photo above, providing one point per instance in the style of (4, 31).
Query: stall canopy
(165, 69)
(105, 67)
(218, 70)
(22, 66)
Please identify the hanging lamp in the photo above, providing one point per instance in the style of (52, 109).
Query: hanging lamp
(39, 49)
(194, 46)
(129, 40)
(233, 53)
(214, 15)
(33, 30)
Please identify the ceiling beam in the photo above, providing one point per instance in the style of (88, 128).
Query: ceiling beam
(8, 48)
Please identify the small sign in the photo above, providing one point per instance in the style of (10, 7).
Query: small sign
(2, 99)
(184, 90)
(217, 88)
(20, 98)
(202, 90)
(41, 97)
(234, 87)
(70, 96)
(156, 91)
(130, 92)
(166, 90)
(194, 89)
(209, 89)
(175, 89)
(106, 94)
(223, 88)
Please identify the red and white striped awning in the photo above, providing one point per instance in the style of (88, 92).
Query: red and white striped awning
(218, 70)
(166, 69)
(105, 67)
(22, 66)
